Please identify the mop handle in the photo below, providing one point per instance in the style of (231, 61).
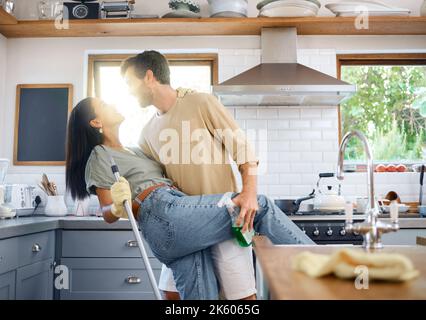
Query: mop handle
(135, 228)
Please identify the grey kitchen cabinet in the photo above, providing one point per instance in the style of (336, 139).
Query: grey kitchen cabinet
(108, 278)
(403, 237)
(105, 264)
(7, 286)
(26, 266)
(35, 281)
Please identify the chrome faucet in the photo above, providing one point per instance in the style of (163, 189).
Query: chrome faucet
(372, 228)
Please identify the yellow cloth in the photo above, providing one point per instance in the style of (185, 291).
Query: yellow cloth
(343, 263)
(194, 141)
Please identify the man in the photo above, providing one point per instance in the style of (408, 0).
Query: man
(192, 135)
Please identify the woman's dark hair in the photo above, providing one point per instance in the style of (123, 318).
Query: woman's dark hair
(148, 60)
(81, 140)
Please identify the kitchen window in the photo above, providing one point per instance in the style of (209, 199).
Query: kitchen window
(195, 71)
(389, 107)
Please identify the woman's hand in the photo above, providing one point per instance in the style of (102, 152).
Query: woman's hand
(247, 201)
(120, 192)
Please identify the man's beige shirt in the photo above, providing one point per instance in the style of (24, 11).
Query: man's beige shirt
(195, 141)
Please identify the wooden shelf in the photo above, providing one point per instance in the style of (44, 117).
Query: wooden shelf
(214, 26)
(6, 18)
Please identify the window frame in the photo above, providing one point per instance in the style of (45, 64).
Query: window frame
(97, 60)
(385, 59)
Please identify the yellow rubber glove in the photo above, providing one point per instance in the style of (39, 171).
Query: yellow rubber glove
(120, 192)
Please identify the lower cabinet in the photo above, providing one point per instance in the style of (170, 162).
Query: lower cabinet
(35, 281)
(108, 278)
(7, 286)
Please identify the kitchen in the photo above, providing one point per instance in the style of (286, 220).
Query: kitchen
(295, 142)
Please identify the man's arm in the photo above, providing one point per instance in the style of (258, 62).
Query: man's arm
(247, 199)
(217, 117)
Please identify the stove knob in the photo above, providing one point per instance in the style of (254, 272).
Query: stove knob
(343, 232)
(329, 232)
(316, 232)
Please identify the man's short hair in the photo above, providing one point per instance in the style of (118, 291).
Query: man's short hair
(148, 60)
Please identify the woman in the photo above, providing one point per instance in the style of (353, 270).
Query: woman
(180, 229)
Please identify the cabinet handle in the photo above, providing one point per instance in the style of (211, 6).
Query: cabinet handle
(133, 280)
(36, 247)
(132, 244)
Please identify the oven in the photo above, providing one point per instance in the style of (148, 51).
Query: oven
(328, 231)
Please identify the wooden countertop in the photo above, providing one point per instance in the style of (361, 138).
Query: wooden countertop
(286, 284)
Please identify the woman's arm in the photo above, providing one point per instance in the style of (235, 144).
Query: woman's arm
(105, 200)
(104, 196)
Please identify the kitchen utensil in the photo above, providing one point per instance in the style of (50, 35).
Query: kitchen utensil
(224, 7)
(136, 233)
(422, 174)
(117, 9)
(289, 8)
(402, 208)
(261, 4)
(186, 5)
(361, 204)
(6, 212)
(19, 196)
(182, 14)
(48, 186)
(228, 14)
(329, 200)
(347, 8)
(48, 9)
(291, 206)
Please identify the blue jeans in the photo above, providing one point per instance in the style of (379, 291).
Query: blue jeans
(180, 230)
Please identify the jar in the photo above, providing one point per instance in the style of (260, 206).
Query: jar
(49, 9)
(8, 5)
(55, 206)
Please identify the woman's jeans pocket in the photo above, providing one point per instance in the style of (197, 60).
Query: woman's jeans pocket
(159, 233)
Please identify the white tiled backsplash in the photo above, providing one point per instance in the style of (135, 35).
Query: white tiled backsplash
(301, 141)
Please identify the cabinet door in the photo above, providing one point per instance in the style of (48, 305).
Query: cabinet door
(7, 286)
(35, 281)
(110, 278)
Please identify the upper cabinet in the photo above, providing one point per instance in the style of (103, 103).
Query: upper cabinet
(11, 28)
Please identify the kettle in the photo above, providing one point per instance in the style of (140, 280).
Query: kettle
(330, 199)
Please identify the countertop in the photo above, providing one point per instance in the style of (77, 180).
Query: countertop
(286, 284)
(39, 223)
(26, 225)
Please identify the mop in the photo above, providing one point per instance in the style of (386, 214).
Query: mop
(135, 229)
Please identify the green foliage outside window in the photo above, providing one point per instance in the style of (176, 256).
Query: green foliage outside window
(390, 108)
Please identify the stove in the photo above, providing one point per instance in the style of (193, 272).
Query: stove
(328, 228)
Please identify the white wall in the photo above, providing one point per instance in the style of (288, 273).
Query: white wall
(3, 67)
(28, 9)
(301, 141)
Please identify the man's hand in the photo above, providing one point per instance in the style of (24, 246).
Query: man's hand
(247, 201)
(120, 192)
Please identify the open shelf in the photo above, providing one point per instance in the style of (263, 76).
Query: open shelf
(212, 26)
(6, 18)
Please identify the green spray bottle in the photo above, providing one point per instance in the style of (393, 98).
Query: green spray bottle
(244, 239)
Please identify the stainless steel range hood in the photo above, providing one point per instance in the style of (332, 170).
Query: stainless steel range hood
(279, 80)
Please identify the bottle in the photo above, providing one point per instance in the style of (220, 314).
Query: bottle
(244, 239)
